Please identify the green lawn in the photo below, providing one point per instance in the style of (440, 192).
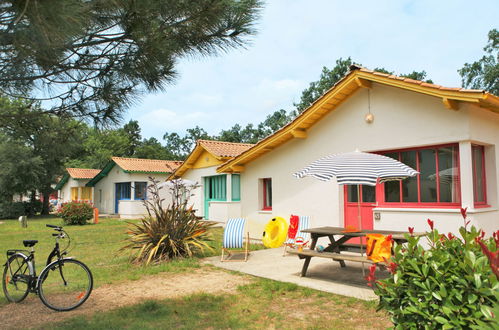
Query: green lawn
(96, 245)
(262, 304)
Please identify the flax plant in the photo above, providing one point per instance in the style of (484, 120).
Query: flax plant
(168, 232)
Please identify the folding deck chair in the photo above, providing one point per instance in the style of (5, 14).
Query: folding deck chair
(233, 239)
(303, 223)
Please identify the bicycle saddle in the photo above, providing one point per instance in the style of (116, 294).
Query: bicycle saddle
(30, 242)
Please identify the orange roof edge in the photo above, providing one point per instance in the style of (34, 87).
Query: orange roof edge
(348, 85)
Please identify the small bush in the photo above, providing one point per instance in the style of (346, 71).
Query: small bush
(453, 284)
(168, 233)
(76, 213)
(11, 210)
(32, 207)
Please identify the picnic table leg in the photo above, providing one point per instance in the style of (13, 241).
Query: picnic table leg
(307, 259)
(335, 247)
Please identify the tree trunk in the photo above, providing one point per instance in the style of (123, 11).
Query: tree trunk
(45, 203)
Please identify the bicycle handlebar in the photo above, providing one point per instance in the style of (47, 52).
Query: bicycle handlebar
(55, 227)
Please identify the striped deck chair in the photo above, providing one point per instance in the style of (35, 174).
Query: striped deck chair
(303, 223)
(234, 239)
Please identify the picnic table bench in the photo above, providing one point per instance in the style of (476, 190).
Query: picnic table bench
(339, 244)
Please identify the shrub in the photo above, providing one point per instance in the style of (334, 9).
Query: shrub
(452, 284)
(32, 207)
(11, 210)
(168, 233)
(76, 213)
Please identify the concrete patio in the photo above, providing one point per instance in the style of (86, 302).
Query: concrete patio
(323, 274)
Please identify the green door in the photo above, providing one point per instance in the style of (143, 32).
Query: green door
(215, 189)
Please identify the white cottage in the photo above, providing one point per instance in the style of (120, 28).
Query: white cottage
(121, 186)
(219, 196)
(450, 135)
(72, 187)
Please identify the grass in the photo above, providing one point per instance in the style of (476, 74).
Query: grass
(262, 304)
(96, 245)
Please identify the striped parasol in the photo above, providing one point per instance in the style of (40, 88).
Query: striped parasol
(357, 168)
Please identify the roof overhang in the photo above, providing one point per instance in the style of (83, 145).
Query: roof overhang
(191, 160)
(102, 174)
(62, 182)
(356, 79)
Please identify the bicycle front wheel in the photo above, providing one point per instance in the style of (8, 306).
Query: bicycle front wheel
(16, 278)
(65, 284)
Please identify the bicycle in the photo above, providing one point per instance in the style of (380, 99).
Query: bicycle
(63, 285)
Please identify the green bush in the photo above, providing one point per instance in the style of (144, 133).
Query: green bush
(11, 210)
(32, 207)
(76, 213)
(451, 284)
(171, 232)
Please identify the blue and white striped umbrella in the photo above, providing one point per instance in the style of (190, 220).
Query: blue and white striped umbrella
(357, 168)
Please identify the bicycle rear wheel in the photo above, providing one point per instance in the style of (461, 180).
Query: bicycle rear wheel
(16, 278)
(64, 285)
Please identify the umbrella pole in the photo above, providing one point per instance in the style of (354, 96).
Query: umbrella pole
(359, 219)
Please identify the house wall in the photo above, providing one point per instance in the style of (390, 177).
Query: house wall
(219, 211)
(402, 119)
(104, 192)
(65, 191)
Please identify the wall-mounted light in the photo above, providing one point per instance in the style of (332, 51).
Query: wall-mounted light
(369, 117)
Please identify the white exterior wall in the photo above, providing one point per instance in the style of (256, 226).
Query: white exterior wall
(106, 187)
(219, 211)
(402, 119)
(65, 192)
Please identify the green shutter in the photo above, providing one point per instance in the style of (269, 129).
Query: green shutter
(236, 187)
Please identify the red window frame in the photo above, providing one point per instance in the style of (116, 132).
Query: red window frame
(380, 192)
(475, 178)
(267, 186)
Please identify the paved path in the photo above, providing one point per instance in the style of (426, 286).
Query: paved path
(323, 274)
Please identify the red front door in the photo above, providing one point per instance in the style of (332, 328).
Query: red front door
(367, 203)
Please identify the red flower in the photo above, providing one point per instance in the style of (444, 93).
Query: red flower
(430, 223)
(411, 230)
(482, 234)
(392, 267)
(463, 212)
(371, 278)
(496, 237)
(388, 238)
(492, 256)
(451, 236)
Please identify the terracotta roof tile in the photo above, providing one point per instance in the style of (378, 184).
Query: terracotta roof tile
(82, 173)
(146, 165)
(225, 149)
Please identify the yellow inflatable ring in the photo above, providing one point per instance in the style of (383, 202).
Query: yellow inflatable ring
(276, 232)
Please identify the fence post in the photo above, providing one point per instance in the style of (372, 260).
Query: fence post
(96, 215)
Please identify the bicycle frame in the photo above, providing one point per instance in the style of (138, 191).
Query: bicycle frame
(29, 256)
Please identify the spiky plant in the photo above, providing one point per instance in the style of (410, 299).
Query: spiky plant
(171, 232)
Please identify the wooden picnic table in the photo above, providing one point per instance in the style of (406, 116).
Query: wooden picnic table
(339, 244)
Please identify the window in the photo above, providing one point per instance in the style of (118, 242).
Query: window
(437, 182)
(74, 193)
(216, 187)
(236, 187)
(479, 186)
(267, 194)
(100, 195)
(86, 193)
(367, 194)
(140, 190)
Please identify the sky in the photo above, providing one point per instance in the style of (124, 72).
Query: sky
(297, 38)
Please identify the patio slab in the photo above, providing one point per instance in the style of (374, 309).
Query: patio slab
(323, 274)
